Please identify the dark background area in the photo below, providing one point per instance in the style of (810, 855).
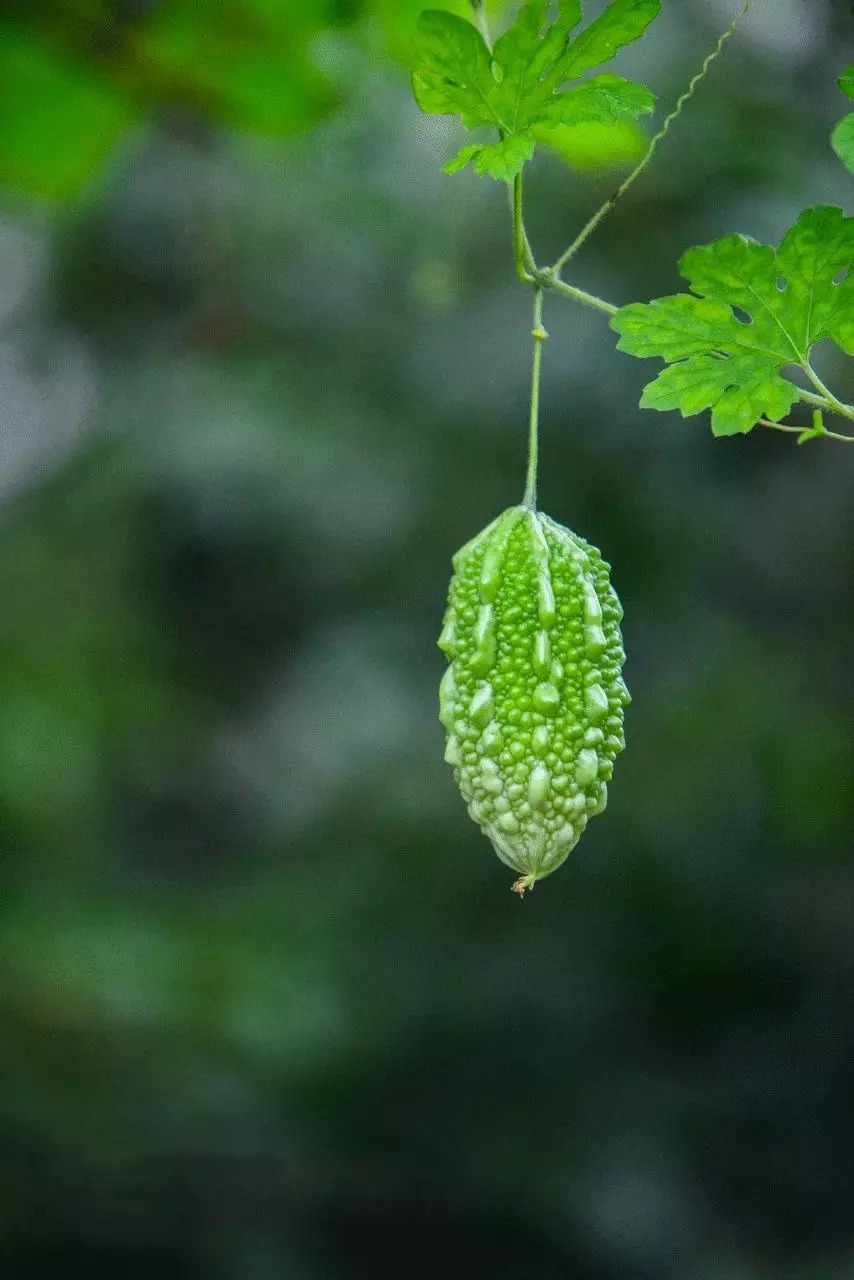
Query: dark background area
(267, 1008)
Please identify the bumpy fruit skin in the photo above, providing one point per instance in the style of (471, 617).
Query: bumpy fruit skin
(532, 701)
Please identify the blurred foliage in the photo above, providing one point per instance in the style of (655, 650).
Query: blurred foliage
(267, 1008)
(76, 74)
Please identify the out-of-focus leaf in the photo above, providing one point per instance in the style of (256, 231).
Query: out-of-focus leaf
(57, 121)
(75, 77)
(244, 64)
(594, 145)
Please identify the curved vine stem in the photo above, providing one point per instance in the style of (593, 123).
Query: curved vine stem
(838, 435)
(528, 271)
(550, 278)
(601, 213)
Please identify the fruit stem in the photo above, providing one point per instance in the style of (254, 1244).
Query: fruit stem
(539, 335)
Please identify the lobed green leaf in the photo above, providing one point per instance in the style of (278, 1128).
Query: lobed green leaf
(527, 54)
(738, 389)
(753, 311)
(520, 86)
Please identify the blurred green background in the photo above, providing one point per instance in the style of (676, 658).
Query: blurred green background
(267, 1008)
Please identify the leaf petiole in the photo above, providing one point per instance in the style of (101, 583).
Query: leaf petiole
(829, 400)
(549, 281)
(814, 432)
(526, 267)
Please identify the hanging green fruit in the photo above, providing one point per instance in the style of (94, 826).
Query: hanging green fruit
(532, 701)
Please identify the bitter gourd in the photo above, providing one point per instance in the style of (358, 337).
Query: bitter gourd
(532, 701)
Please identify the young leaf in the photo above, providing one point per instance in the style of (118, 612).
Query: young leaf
(501, 160)
(842, 141)
(519, 87)
(816, 431)
(752, 312)
(842, 138)
(462, 158)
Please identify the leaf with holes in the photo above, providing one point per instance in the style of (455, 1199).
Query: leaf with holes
(520, 86)
(752, 312)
